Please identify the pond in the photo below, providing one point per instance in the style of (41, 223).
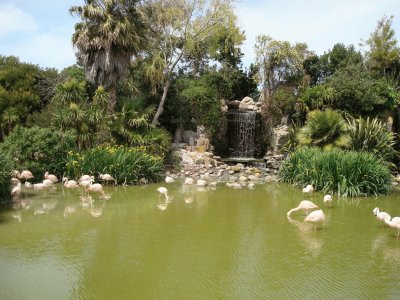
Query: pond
(207, 244)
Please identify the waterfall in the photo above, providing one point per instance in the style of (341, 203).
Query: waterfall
(241, 132)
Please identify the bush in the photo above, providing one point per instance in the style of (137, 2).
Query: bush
(126, 165)
(373, 136)
(6, 167)
(38, 149)
(347, 173)
(324, 129)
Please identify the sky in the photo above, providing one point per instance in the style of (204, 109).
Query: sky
(39, 31)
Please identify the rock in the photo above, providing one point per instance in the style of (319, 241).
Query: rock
(269, 178)
(251, 185)
(188, 181)
(199, 161)
(253, 178)
(214, 183)
(242, 178)
(231, 172)
(201, 182)
(237, 185)
(187, 134)
(235, 168)
(202, 141)
(246, 103)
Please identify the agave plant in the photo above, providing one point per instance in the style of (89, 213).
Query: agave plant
(324, 129)
(373, 136)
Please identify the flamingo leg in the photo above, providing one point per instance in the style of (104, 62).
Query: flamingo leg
(398, 231)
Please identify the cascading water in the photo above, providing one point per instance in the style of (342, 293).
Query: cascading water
(241, 133)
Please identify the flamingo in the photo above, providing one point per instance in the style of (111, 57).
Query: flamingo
(169, 179)
(163, 191)
(39, 186)
(14, 181)
(188, 181)
(394, 223)
(96, 188)
(70, 184)
(308, 189)
(16, 191)
(28, 185)
(316, 216)
(51, 177)
(328, 199)
(48, 182)
(380, 215)
(25, 175)
(107, 178)
(304, 205)
(86, 178)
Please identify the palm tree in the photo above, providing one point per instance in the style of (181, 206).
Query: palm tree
(107, 38)
(325, 129)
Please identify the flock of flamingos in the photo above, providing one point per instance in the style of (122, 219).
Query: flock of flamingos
(316, 215)
(86, 182)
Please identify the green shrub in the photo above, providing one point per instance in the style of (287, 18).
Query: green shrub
(38, 149)
(373, 136)
(324, 129)
(6, 167)
(347, 173)
(126, 165)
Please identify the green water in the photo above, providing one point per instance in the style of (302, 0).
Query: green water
(225, 244)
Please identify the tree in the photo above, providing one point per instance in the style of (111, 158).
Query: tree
(279, 62)
(358, 93)
(319, 68)
(383, 50)
(19, 92)
(180, 33)
(107, 38)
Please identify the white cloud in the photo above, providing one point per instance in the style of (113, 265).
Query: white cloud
(53, 50)
(13, 19)
(320, 24)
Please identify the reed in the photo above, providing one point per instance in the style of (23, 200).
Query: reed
(6, 167)
(347, 173)
(127, 165)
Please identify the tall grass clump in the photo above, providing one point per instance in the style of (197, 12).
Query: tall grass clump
(6, 167)
(373, 136)
(347, 173)
(127, 165)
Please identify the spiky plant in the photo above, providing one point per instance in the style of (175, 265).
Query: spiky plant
(324, 129)
(373, 136)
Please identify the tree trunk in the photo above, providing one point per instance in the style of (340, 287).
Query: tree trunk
(161, 105)
(113, 99)
(178, 134)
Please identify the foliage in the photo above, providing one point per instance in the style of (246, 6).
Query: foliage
(183, 33)
(107, 37)
(318, 97)
(324, 129)
(373, 136)
(292, 139)
(127, 165)
(38, 149)
(319, 68)
(347, 173)
(6, 167)
(195, 101)
(19, 93)
(383, 51)
(358, 93)
(279, 63)
(131, 126)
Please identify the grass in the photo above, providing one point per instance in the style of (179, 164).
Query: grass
(347, 173)
(127, 165)
(6, 167)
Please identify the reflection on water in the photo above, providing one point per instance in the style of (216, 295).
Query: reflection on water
(207, 243)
